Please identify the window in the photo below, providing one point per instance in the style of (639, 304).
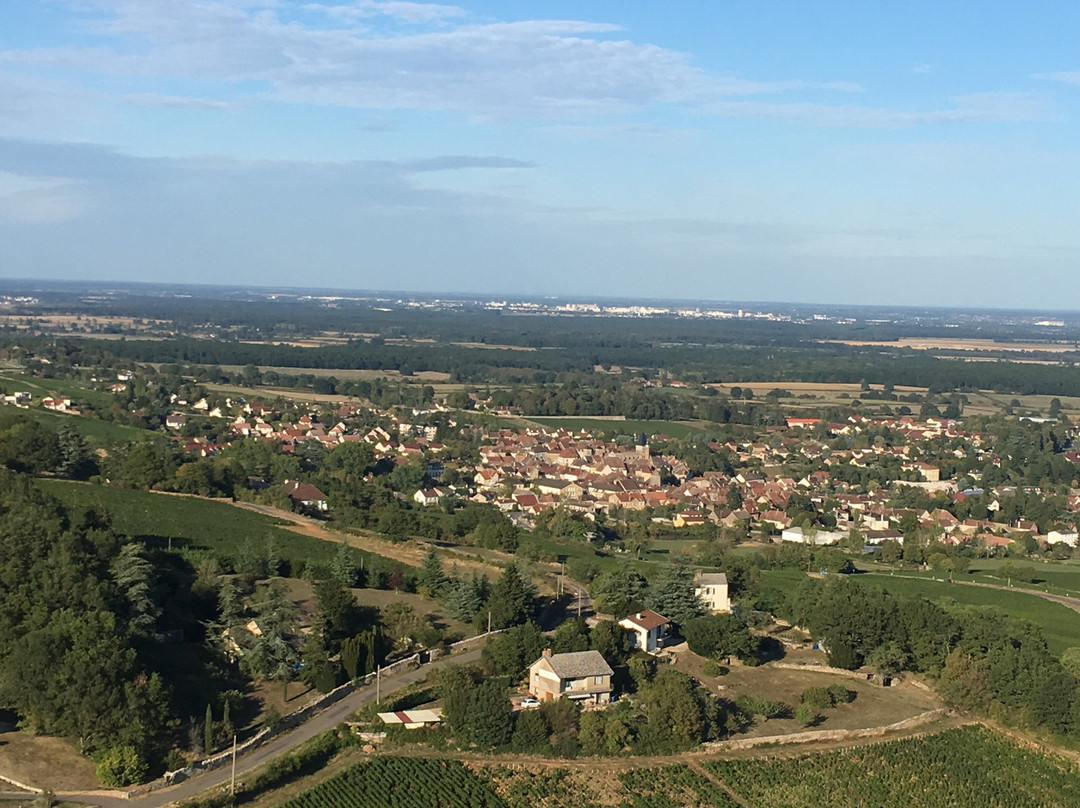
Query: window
(598, 680)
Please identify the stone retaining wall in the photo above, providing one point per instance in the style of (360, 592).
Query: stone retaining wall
(827, 734)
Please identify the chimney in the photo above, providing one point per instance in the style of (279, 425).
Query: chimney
(640, 616)
(547, 653)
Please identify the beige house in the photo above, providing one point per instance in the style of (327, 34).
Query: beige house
(582, 676)
(712, 589)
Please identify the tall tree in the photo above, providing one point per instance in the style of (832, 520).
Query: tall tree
(513, 598)
(673, 595)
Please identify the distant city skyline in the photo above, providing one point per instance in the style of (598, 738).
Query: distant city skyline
(820, 153)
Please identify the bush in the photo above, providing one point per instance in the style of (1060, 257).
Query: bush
(806, 715)
(713, 668)
(817, 698)
(766, 708)
(840, 694)
(121, 766)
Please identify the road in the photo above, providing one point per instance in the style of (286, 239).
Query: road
(320, 722)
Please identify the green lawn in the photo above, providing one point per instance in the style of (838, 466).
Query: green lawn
(93, 429)
(188, 521)
(40, 388)
(1060, 625)
(1058, 577)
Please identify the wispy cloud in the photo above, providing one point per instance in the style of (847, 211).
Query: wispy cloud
(407, 12)
(1066, 76)
(967, 109)
(175, 101)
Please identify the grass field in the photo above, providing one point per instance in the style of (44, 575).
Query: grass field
(1060, 625)
(1057, 577)
(188, 521)
(674, 429)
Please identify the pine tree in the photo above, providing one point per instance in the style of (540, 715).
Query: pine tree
(432, 579)
(512, 599)
(134, 576)
(673, 595)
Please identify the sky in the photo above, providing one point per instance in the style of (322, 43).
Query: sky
(833, 152)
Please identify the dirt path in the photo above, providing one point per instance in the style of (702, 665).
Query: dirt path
(716, 781)
(410, 552)
(1064, 600)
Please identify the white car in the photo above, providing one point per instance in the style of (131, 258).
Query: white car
(529, 701)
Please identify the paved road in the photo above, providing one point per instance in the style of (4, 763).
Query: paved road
(320, 722)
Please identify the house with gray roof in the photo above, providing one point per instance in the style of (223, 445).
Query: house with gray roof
(583, 676)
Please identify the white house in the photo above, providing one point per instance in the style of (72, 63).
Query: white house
(817, 537)
(645, 630)
(712, 589)
(1067, 536)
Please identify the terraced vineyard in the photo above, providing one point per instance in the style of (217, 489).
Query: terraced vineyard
(960, 768)
(970, 766)
(393, 782)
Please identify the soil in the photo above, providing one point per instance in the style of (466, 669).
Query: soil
(44, 762)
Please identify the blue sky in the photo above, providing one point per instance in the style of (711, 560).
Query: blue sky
(927, 153)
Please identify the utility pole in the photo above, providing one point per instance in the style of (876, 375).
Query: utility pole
(489, 621)
(579, 604)
(378, 683)
(232, 783)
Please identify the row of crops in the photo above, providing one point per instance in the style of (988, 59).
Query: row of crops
(970, 766)
(394, 782)
(673, 787)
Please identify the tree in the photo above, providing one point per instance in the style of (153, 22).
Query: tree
(530, 732)
(490, 717)
(512, 598)
(432, 579)
(76, 461)
(674, 595)
(121, 766)
(512, 652)
(573, 635)
(720, 635)
(208, 731)
(609, 638)
(620, 591)
(134, 577)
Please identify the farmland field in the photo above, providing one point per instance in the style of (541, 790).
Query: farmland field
(1060, 625)
(967, 766)
(188, 521)
(404, 782)
(970, 766)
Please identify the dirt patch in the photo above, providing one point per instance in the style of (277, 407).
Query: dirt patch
(873, 705)
(44, 762)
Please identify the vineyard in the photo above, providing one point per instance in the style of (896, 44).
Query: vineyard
(393, 782)
(970, 766)
(672, 787)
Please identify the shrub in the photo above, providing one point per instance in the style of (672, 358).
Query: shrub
(840, 694)
(766, 708)
(807, 715)
(817, 698)
(121, 766)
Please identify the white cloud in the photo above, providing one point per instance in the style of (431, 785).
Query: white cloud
(533, 68)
